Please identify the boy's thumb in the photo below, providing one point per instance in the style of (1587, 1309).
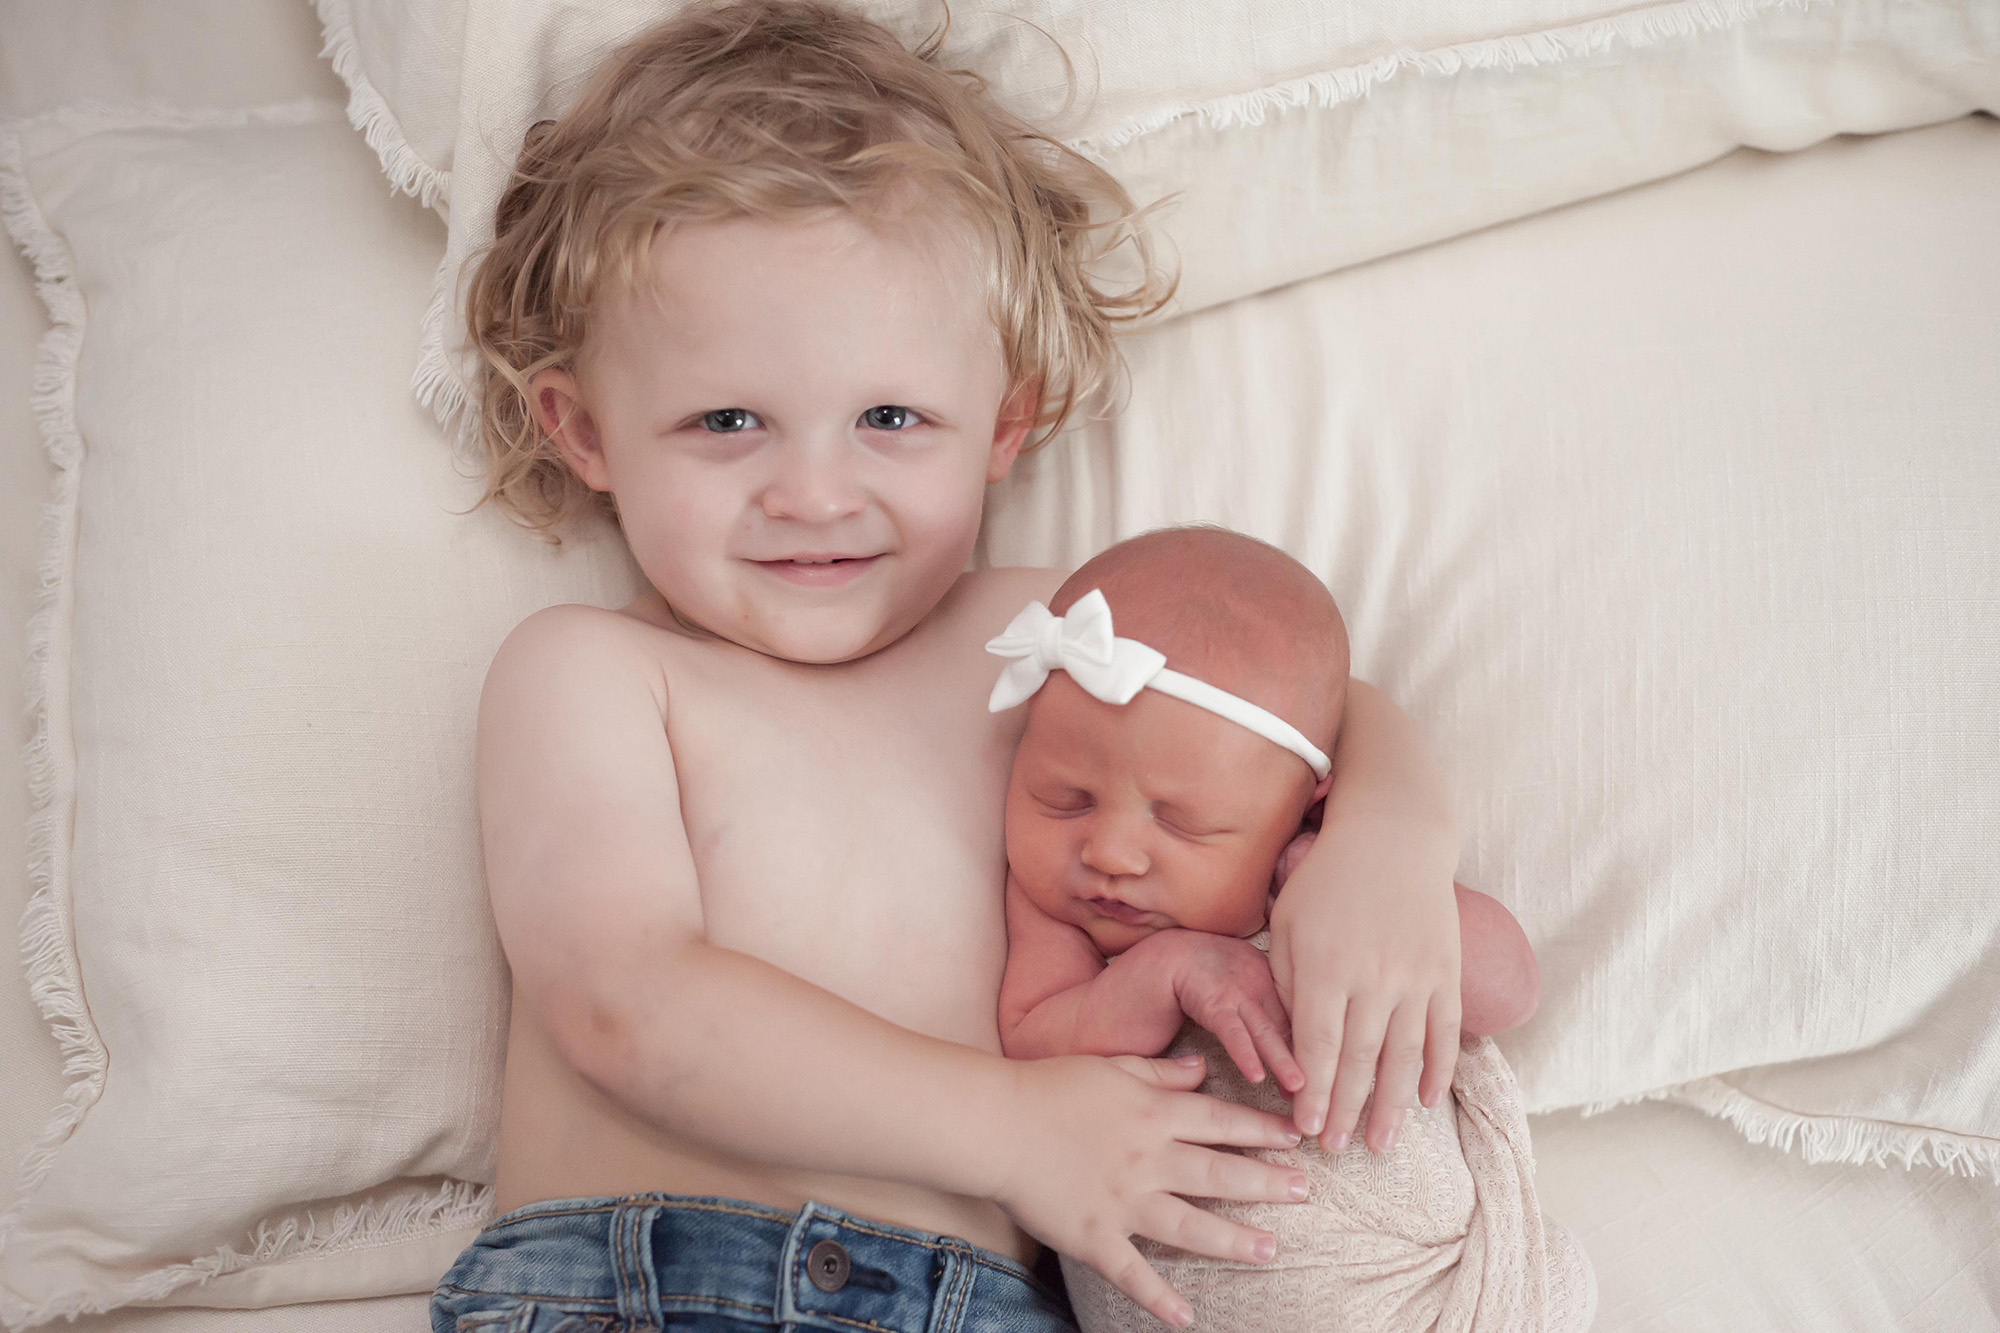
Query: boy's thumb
(1176, 1074)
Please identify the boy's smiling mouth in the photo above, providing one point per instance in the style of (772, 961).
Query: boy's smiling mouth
(819, 571)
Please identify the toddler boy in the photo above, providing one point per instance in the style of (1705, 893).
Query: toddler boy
(787, 297)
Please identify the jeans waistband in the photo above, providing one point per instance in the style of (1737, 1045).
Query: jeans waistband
(644, 1257)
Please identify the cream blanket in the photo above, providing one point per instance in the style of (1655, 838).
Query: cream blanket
(1443, 1232)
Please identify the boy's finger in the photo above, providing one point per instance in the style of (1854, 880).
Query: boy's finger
(1440, 1050)
(1122, 1265)
(1178, 1223)
(1354, 1075)
(1319, 1054)
(1182, 1073)
(1207, 1120)
(1206, 1173)
(1396, 1076)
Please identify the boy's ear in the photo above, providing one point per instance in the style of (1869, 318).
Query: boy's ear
(560, 412)
(1010, 432)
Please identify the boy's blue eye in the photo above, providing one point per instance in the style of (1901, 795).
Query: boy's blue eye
(887, 417)
(728, 420)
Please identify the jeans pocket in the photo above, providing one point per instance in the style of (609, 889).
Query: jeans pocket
(509, 1315)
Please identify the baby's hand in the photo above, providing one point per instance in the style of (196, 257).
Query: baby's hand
(1100, 1150)
(1225, 985)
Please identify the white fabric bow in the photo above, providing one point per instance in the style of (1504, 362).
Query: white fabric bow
(1081, 642)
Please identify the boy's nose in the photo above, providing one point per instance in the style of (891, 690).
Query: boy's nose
(814, 482)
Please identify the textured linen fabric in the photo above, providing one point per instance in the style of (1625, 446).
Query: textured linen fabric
(1692, 1229)
(1673, 519)
(261, 932)
(1442, 1234)
(1772, 288)
(1294, 137)
(181, 53)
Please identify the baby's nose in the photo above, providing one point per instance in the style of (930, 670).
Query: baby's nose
(1115, 849)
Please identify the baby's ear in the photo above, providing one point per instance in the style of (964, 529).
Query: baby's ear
(1010, 430)
(560, 412)
(1320, 789)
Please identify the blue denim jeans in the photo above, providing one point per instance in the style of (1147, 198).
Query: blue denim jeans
(673, 1262)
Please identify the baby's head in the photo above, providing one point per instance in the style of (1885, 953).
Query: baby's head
(788, 296)
(1125, 819)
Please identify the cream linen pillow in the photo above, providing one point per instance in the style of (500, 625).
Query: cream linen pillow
(1298, 137)
(260, 929)
(1674, 521)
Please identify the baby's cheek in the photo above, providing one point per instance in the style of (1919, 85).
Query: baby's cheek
(1034, 857)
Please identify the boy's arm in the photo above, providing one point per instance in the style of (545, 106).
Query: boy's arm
(595, 897)
(1365, 935)
(1059, 997)
(1499, 982)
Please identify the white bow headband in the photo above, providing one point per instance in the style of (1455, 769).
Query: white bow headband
(1037, 642)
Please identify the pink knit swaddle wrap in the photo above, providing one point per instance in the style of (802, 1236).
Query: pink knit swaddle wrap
(1443, 1232)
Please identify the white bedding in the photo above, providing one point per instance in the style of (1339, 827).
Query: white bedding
(1690, 1228)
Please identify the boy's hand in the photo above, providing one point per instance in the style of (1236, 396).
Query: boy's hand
(1100, 1149)
(1364, 951)
(1225, 985)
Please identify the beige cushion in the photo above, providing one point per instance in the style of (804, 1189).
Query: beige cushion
(1674, 520)
(1298, 137)
(262, 933)
(183, 53)
(1581, 511)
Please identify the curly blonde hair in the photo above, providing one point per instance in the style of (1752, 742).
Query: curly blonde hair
(780, 109)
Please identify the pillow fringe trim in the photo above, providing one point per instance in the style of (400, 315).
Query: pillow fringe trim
(48, 942)
(1633, 28)
(369, 112)
(1838, 1139)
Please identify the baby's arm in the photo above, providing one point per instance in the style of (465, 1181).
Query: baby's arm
(1499, 981)
(599, 910)
(1059, 997)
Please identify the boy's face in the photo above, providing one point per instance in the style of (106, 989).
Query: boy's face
(798, 422)
(1127, 819)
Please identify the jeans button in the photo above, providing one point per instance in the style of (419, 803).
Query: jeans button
(827, 1265)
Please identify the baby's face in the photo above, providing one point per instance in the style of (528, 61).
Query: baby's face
(1126, 820)
(798, 421)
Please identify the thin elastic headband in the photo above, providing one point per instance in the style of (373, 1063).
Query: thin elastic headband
(1038, 641)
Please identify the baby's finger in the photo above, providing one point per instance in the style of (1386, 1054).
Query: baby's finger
(1318, 1047)
(1122, 1265)
(1270, 1038)
(1179, 1223)
(1355, 1074)
(1440, 1050)
(1236, 1039)
(1396, 1076)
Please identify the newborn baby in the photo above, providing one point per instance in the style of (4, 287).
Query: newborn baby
(1157, 799)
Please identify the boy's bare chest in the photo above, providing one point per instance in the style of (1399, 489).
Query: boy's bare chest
(847, 827)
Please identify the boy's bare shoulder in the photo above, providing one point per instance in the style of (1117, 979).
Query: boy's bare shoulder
(577, 646)
(1008, 589)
